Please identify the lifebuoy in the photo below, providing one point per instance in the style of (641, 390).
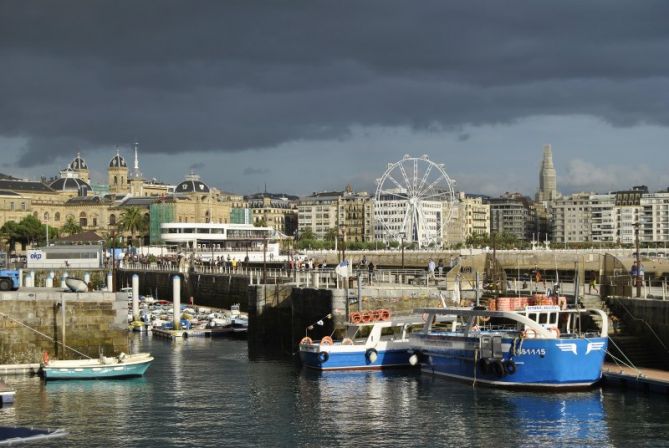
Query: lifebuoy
(376, 315)
(555, 330)
(371, 355)
(356, 318)
(347, 341)
(323, 356)
(530, 333)
(45, 358)
(498, 368)
(366, 317)
(510, 366)
(385, 314)
(327, 340)
(306, 340)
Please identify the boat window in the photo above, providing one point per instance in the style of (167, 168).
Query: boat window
(543, 318)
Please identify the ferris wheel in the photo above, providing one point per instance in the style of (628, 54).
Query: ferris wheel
(414, 201)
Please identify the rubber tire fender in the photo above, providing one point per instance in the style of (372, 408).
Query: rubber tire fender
(498, 368)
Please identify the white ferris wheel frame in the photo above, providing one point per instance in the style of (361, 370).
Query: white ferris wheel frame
(414, 192)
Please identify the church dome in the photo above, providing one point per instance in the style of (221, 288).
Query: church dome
(69, 184)
(78, 164)
(117, 162)
(192, 186)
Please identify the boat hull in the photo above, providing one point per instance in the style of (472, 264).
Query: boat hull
(536, 363)
(94, 369)
(354, 358)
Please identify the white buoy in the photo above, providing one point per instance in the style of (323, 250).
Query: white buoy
(109, 281)
(135, 297)
(176, 300)
(87, 278)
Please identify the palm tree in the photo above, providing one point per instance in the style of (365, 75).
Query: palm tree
(132, 221)
(71, 226)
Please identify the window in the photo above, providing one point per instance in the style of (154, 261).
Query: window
(56, 217)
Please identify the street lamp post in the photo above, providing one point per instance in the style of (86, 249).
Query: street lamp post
(402, 235)
(113, 258)
(637, 277)
(342, 229)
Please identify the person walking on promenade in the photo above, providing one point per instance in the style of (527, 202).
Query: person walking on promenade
(430, 271)
(370, 268)
(593, 285)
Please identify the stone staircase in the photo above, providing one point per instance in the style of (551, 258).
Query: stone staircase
(628, 346)
(624, 345)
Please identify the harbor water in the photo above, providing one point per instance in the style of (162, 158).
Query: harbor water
(207, 393)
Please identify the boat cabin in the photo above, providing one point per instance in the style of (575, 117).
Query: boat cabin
(373, 332)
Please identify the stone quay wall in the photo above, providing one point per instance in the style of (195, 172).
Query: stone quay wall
(91, 322)
(646, 317)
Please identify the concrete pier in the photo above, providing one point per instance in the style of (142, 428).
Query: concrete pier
(38, 320)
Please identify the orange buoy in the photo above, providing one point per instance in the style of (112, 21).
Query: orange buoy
(327, 340)
(385, 315)
(356, 317)
(305, 340)
(376, 315)
(366, 316)
(45, 358)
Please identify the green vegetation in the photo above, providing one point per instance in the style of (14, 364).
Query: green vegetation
(29, 230)
(133, 221)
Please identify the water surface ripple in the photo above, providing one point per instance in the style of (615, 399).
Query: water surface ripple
(206, 393)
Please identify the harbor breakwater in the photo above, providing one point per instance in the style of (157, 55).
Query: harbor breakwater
(38, 320)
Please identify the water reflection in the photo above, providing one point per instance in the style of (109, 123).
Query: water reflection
(204, 392)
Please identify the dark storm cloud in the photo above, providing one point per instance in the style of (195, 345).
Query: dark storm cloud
(182, 76)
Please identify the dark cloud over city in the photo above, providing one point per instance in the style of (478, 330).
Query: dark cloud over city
(250, 78)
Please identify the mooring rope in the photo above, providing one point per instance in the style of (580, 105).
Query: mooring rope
(45, 335)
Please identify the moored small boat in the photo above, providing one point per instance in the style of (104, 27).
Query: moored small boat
(539, 347)
(366, 346)
(122, 366)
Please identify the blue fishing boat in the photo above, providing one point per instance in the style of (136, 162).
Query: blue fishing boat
(366, 346)
(538, 347)
(122, 366)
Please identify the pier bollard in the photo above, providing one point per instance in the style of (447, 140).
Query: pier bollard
(176, 301)
(21, 278)
(251, 278)
(109, 282)
(135, 297)
(32, 278)
(316, 280)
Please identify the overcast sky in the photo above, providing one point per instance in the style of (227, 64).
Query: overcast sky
(312, 95)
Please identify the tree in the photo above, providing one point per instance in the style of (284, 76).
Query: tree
(132, 221)
(71, 227)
